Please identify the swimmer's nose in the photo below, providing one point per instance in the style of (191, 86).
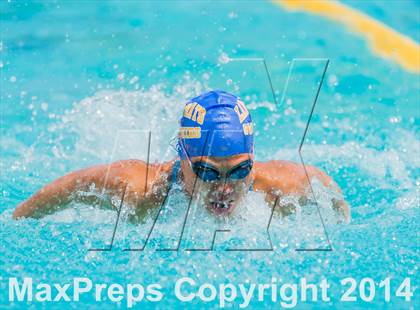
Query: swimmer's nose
(224, 191)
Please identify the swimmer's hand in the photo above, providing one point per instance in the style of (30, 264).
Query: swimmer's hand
(114, 179)
(342, 207)
(279, 177)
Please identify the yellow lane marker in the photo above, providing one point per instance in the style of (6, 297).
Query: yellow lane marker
(384, 41)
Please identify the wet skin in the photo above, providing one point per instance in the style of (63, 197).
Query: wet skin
(273, 179)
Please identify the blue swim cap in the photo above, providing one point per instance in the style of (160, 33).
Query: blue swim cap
(215, 123)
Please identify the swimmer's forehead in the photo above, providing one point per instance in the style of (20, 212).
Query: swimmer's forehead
(224, 160)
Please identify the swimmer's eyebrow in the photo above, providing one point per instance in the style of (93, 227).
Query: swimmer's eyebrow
(207, 162)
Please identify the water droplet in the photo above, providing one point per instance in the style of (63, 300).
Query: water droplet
(332, 80)
(224, 58)
(232, 15)
(134, 79)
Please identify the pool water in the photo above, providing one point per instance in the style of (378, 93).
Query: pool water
(83, 84)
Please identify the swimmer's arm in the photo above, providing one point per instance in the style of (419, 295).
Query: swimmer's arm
(60, 192)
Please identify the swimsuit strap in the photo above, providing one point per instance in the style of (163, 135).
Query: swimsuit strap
(175, 169)
(250, 186)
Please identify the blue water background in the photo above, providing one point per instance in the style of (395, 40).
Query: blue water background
(136, 63)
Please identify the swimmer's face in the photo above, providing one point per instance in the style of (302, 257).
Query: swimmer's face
(222, 195)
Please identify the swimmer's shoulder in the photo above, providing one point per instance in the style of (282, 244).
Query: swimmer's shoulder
(146, 183)
(284, 177)
(141, 176)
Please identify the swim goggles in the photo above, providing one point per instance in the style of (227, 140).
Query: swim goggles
(208, 173)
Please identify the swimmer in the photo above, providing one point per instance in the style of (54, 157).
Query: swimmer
(216, 163)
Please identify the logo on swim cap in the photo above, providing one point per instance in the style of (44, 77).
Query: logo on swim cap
(215, 123)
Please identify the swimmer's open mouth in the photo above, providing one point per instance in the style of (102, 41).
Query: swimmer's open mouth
(220, 207)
